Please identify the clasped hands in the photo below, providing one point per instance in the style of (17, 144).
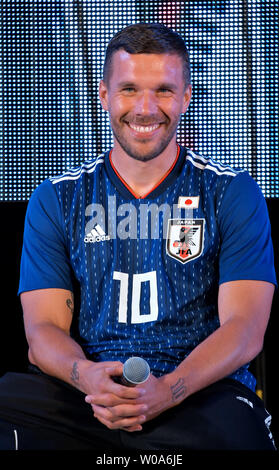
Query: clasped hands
(121, 407)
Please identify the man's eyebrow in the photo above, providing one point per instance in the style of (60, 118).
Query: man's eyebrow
(167, 85)
(126, 85)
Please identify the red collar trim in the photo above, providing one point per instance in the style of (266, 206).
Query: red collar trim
(157, 184)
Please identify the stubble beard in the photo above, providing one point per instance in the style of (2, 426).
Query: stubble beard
(137, 154)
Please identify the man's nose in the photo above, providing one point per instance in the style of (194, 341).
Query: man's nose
(146, 103)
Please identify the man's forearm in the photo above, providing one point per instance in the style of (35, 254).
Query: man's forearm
(219, 355)
(57, 354)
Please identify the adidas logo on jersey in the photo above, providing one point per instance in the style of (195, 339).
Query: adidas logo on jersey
(96, 235)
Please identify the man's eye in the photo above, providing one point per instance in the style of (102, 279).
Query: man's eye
(128, 89)
(164, 90)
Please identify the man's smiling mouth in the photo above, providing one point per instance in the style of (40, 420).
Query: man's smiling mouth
(143, 129)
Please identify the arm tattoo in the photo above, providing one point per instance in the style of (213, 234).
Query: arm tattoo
(70, 303)
(75, 373)
(178, 390)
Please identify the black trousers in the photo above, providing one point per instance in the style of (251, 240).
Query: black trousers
(39, 412)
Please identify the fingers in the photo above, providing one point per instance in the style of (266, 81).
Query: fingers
(114, 426)
(116, 396)
(121, 411)
(115, 405)
(118, 389)
(116, 370)
(124, 417)
(124, 424)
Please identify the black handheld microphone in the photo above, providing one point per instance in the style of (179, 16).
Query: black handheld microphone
(135, 371)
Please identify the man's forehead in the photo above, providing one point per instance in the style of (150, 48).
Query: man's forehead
(124, 56)
(125, 64)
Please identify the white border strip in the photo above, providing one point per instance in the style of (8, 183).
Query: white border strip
(207, 166)
(16, 439)
(68, 176)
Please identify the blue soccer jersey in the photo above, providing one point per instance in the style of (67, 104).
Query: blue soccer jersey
(149, 268)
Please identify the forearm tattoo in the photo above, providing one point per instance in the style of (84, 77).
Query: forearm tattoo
(70, 304)
(178, 390)
(75, 373)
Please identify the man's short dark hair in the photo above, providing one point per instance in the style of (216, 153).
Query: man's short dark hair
(148, 38)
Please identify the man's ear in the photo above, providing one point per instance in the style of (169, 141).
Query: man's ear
(187, 98)
(103, 95)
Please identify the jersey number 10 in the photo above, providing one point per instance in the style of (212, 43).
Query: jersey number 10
(137, 280)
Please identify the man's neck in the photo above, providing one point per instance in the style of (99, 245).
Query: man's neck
(142, 177)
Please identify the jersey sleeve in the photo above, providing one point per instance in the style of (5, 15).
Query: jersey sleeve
(246, 244)
(44, 260)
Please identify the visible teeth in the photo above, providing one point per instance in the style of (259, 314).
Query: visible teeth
(144, 128)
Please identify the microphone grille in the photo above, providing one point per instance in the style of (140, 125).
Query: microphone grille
(136, 370)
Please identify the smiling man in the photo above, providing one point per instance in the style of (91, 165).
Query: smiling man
(194, 304)
(144, 111)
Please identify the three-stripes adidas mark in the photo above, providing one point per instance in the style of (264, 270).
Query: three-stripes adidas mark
(97, 234)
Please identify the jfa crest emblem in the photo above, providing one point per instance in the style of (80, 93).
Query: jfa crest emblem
(185, 239)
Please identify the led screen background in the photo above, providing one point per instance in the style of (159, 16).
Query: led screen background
(52, 55)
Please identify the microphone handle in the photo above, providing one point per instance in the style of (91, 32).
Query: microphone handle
(126, 382)
(123, 381)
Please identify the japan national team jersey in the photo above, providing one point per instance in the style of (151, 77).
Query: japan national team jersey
(148, 268)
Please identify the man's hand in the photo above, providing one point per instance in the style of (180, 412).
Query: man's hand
(115, 405)
(120, 412)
